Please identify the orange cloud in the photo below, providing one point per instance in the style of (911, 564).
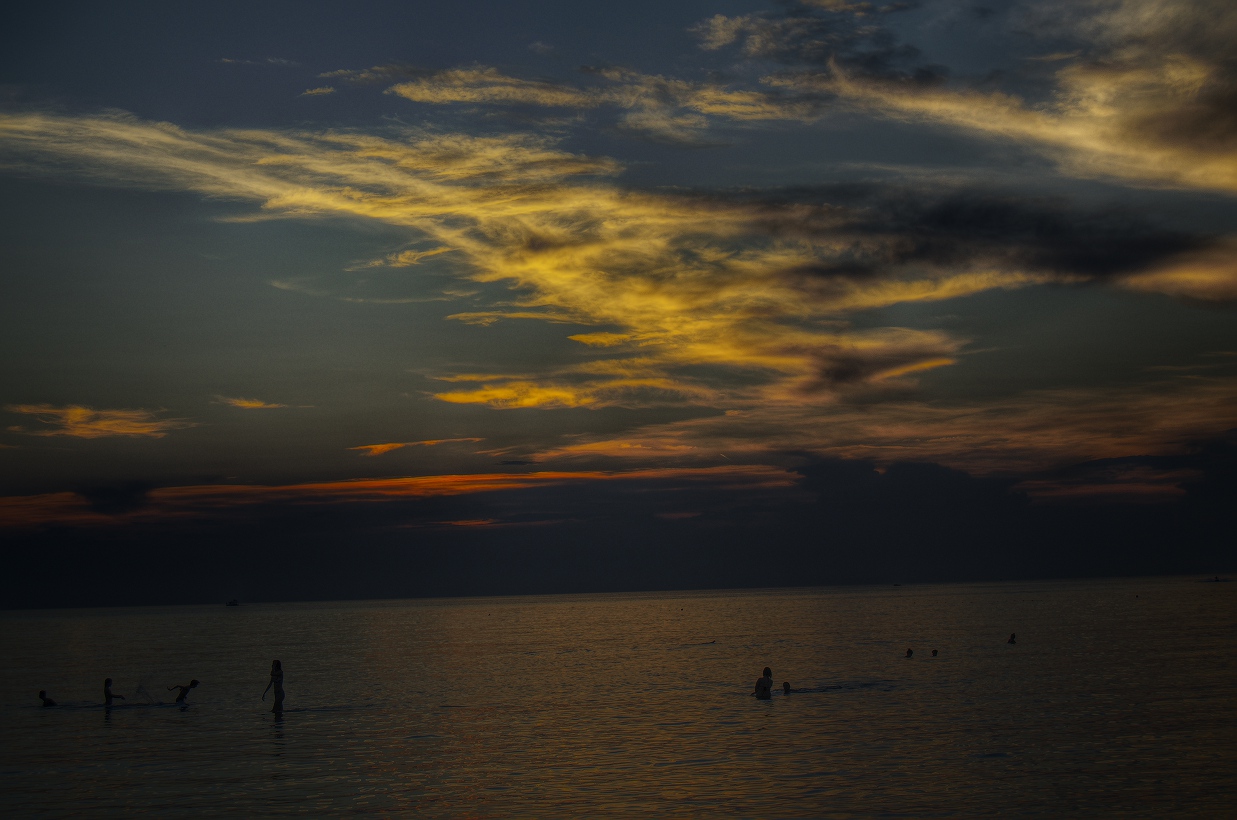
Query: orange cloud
(85, 422)
(188, 501)
(381, 449)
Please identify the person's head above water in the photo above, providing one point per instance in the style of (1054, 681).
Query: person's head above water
(107, 682)
(910, 652)
(786, 687)
(43, 693)
(768, 672)
(193, 684)
(934, 653)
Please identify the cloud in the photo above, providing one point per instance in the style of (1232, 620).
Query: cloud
(249, 404)
(382, 449)
(661, 107)
(1147, 97)
(739, 301)
(85, 422)
(318, 92)
(377, 74)
(402, 259)
(1027, 433)
(83, 509)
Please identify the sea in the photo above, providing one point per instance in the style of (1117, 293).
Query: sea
(1117, 698)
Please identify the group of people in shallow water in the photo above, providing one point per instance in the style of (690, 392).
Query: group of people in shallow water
(764, 684)
(108, 695)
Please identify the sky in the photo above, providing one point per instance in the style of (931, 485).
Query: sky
(326, 300)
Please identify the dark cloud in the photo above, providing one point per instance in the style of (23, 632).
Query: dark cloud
(811, 35)
(891, 228)
(847, 521)
(117, 499)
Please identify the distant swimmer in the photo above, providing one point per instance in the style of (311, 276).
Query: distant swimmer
(764, 686)
(910, 653)
(108, 694)
(1012, 636)
(934, 653)
(184, 690)
(277, 682)
(46, 700)
(785, 687)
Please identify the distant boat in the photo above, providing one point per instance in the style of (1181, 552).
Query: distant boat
(234, 602)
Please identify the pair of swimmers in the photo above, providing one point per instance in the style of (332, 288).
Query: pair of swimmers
(910, 653)
(764, 686)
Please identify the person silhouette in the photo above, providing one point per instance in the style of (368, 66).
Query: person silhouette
(1011, 638)
(184, 690)
(108, 694)
(785, 687)
(277, 682)
(934, 653)
(764, 685)
(910, 653)
(46, 700)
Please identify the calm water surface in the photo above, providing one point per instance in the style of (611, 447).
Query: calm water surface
(1120, 697)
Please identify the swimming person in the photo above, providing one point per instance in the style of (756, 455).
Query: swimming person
(184, 690)
(785, 687)
(108, 694)
(277, 682)
(46, 700)
(934, 653)
(910, 652)
(1011, 638)
(764, 686)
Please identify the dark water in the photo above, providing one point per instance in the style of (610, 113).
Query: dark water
(1120, 697)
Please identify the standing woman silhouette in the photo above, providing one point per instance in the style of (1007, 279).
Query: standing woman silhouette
(277, 682)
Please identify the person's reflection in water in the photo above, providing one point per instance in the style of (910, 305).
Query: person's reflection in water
(108, 694)
(46, 700)
(184, 690)
(764, 686)
(277, 682)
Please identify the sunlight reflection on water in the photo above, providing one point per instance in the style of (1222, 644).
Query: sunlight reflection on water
(1118, 697)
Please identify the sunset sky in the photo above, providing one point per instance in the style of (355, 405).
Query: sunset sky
(538, 296)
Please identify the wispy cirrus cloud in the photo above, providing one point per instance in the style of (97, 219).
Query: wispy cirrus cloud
(249, 404)
(663, 107)
(372, 450)
(1146, 97)
(1028, 433)
(78, 421)
(739, 302)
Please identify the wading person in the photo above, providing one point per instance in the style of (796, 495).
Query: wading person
(277, 682)
(764, 686)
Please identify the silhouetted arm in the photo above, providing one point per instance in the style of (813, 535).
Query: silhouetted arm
(268, 688)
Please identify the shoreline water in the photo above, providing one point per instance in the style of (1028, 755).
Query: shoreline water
(1117, 697)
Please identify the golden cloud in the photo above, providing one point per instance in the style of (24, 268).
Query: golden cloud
(662, 106)
(249, 404)
(85, 422)
(1148, 101)
(712, 302)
